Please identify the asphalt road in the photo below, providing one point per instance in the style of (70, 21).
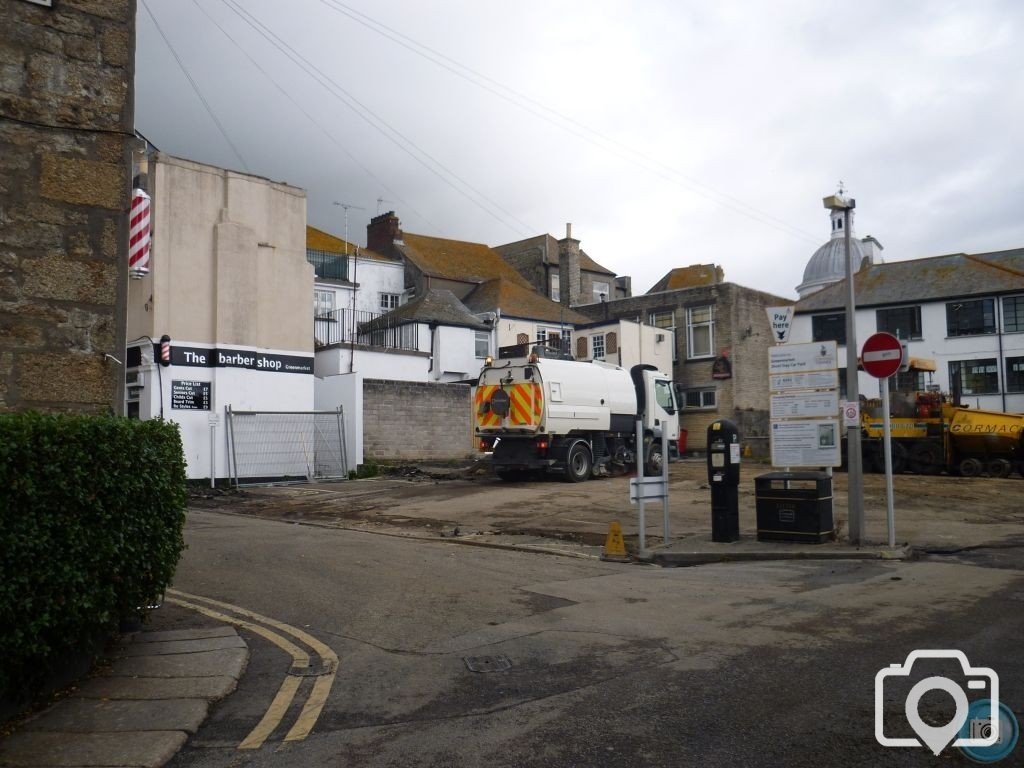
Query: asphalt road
(612, 665)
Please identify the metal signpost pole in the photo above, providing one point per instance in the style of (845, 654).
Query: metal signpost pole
(854, 460)
(890, 516)
(664, 480)
(882, 356)
(641, 515)
(855, 465)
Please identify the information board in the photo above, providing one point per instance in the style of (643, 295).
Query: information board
(802, 405)
(806, 443)
(800, 358)
(190, 395)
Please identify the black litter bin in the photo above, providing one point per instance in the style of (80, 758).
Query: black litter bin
(794, 506)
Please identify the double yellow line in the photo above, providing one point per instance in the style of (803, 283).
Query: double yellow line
(290, 685)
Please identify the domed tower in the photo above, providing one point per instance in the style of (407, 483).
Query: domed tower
(828, 264)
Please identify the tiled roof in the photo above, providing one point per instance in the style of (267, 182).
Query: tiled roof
(435, 306)
(318, 240)
(931, 279)
(587, 264)
(689, 277)
(457, 259)
(516, 300)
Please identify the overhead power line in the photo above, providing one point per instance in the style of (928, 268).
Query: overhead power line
(330, 136)
(382, 126)
(195, 87)
(565, 122)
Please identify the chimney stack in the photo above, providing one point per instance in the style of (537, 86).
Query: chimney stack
(569, 269)
(383, 232)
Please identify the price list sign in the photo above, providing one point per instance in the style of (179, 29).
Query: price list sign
(190, 395)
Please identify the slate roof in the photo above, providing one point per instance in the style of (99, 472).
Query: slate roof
(457, 259)
(517, 300)
(933, 279)
(318, 240)
(587, 264)
(437, 305)
(692, 276)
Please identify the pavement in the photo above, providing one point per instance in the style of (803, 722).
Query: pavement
(701, 550)
(140, 709)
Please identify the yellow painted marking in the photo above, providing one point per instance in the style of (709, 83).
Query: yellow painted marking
(321, 688)
(311, 709)
(300, 657)
(274, 714)
(285, 694)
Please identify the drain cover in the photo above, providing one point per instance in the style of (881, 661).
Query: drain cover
(488, 663)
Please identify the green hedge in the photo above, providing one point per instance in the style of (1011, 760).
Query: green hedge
(91, 518)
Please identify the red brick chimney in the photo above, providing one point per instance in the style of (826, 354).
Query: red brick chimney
(382, 232)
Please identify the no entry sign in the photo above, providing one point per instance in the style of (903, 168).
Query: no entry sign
(882, 355)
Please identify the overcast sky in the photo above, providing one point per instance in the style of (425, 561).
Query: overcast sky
(668, 132)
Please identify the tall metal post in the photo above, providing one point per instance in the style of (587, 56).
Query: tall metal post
(641, 522)
(855, 464)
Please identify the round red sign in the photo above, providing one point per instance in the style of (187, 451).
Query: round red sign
(882, 355)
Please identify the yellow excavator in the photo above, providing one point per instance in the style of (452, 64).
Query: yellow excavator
(933, 433)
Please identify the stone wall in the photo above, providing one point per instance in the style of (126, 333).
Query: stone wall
(407, 420)
(66, 119)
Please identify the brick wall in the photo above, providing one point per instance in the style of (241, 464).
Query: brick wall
(66, 117)
(416, 420)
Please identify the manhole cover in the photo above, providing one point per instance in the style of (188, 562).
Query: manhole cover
(488, 663)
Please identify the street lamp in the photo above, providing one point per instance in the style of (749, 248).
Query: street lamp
(854, 459)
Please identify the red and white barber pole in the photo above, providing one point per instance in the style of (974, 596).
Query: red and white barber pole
(138, 238)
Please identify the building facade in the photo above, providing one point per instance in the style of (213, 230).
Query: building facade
(230, 285)
(720, 336)
(66, 84)
(963, 311)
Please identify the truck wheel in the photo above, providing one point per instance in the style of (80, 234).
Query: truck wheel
(655, 461)
(578, 464)
(999, 468)
(926, 459)
(970, 468)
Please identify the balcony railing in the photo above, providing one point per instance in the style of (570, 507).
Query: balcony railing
(329, 266)
(371, 329)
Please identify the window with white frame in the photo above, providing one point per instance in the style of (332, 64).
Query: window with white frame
(700, 331)
(597, 346)
(663, 319)
(389, 301)
(602, 291)
(323, 302)
(555, 290)
(697, 398)
(483, 343)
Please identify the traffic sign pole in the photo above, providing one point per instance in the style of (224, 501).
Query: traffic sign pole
(890, 515)
(882, 356)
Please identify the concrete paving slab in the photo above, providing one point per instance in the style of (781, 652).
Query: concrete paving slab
(80, 716)
(144, 749)
(228, 662)
(155, 688)
(197, 645)
(170, 635)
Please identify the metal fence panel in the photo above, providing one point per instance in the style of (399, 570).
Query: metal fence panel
(286, 446)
